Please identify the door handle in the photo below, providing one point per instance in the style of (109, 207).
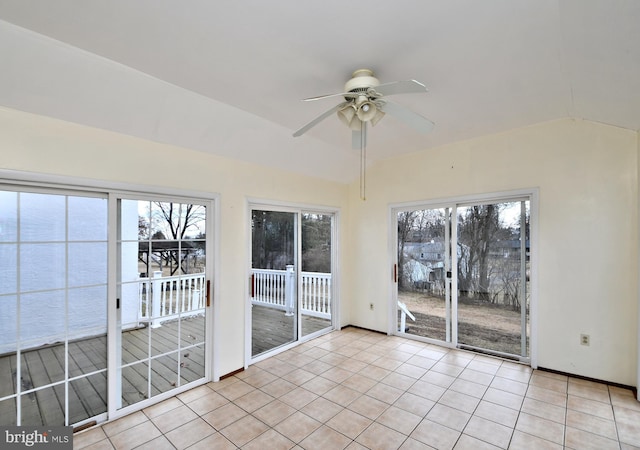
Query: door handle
(395, 273)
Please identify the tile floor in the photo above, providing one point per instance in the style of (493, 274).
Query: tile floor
(356, 389)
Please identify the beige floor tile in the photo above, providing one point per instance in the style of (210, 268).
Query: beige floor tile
(398, 381)
(544, 410)
(514, 374)
(224, 416)
(235, 390)
(269, 440)
(159, 443)
(207, 403)
(174, 418)
(400, 420)
(583, 440)
(374, 372)
(385, 393)
(88, 437)
(435, 435)
(543, 428)
(549, 383)
(497, 413)
(599, 409)
(524, 441)
(483, 366)
(592, 424)
(468, 388)
(379, 437)
(274, 412)
(359, 383)
(104, 444)
(298, 397)
(325, 438)
(278, 388)
(342, 395)
(167, 405)
(317, 367)
(336, 374)
(368, 406)
(505, 384)
(466, 442)
(244, 430)
(361, 390)
(190, 433)
(214, 441)
(349, 423)
(437, 378)
(547, 396)
(488, 431)
(427, 390)
(297, 426)
(450, 417)
(503, 398)
(195, 393)
(258, 380)
(321, 409)
(411, 371)
(252, 401)
(476, 377)
(135, 436)
(422, 362)
(124, 423)
(456, 400)
(414, 404)
(598, 392)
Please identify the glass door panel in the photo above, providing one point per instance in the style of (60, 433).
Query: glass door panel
(162, 294)
(492, 294)
(274, 280)
(53, 296)
(315, 286)
(424, 307)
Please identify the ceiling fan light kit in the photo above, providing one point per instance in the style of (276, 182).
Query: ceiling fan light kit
(363, 95)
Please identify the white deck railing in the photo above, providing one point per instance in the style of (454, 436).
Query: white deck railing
(276, 289)
(171, 297)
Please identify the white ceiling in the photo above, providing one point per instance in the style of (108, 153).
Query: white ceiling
(227, 76)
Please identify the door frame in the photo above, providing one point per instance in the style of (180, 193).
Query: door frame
(297, 208)
(498, 197)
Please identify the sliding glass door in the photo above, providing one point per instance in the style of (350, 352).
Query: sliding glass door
(291, 276)
(462, 274)
(83, 272)
(162, 297)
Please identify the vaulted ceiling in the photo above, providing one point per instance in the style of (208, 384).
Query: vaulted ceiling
(227, 76)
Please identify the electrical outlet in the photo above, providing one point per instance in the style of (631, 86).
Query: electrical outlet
(584, 339)
(371, 306)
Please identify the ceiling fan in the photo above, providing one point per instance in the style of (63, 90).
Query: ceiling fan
(365, 102)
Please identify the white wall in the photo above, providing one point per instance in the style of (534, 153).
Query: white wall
(588, 234)
(38, 144)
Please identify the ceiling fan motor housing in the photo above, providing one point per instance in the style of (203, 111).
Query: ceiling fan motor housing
(361, 80)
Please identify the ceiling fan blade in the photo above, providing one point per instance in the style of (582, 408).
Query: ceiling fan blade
(401, 87)
(408, 117)
(321, 97)
(318, 119)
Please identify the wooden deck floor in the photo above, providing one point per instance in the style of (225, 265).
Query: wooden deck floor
(271, 328)
(87, 395)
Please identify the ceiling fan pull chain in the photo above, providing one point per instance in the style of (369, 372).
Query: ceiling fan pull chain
(363, 159)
